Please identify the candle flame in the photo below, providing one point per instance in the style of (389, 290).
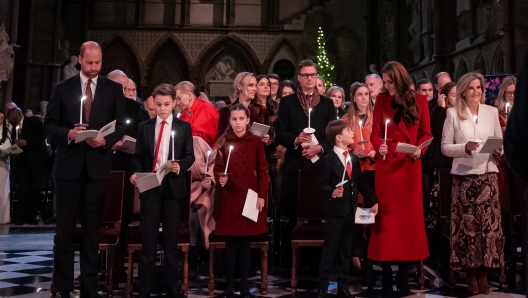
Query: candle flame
(387, 121)
(128, 121)
(507, 105)
(18, 127)
(475, 118)
(309, 110)
(230, 147)
(172, 133)
(178, 116)
(83, 98)
(208, 152)
(360, 122)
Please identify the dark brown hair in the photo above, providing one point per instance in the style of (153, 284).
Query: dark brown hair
(353, 110)
(285, 83)
(403, 94)
(164, 90)
(229, 130)
(271, 105)
(335, 128)
(305, 63)
(445, 91)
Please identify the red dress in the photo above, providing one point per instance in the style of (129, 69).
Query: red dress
(248, 170)
(399, 231)
(204, 121)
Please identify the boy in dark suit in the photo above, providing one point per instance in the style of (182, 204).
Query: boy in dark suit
(162, 204)
(341, 203)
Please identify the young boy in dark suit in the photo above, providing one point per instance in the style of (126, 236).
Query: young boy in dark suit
(340, 205)
(162, 204)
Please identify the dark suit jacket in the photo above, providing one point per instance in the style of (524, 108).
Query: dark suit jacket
(183, 151)
(35, 156)
(136, 114)
(63, 112)
(291, 122)
(516, 135)
(331, 173)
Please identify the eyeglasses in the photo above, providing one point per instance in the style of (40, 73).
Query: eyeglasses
(509, 93)
(275, 84)
(308, 75)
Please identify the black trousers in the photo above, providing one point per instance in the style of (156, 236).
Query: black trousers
(159, 205)
(337, 247)
(238, 248)
(84, 195)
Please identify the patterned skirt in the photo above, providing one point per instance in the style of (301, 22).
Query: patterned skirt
(476, 226)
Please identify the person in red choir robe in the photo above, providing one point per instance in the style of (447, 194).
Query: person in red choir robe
(398, 236)
(196, 110)
(246, 168)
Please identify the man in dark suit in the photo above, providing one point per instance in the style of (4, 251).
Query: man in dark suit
(516, 145)
(30, 168)
(340, 205)
(162, 203)
(81, 169)
(292, 119)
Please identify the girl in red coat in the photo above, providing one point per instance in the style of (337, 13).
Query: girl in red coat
(398, 236)
(247, 169)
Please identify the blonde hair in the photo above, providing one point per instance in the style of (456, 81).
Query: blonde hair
(332, 90)
(501, 99)
(242, 79)
(188, 87)
(462, 86)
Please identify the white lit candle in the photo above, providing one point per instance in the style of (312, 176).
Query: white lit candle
(178, 116)
(361, 133)
(207, 161)
(309, 112)
(506, 108)
(128, 121)
(17, 128)
(172, 135)
(475, 127)
(344, 172)
(80, 114)
(228, 157)
(385, 139)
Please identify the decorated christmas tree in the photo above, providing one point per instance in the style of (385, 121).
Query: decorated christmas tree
(324, 68)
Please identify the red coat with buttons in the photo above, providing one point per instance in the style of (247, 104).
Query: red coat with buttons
(248, 170)
(399, 231)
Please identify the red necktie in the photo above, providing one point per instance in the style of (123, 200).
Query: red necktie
(348, 167)
(88, 100)
(158, 145)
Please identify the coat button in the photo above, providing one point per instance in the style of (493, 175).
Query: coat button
(394, 141)
(394, 155)
(408, 141)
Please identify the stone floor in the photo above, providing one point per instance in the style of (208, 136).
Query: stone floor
(26, 261)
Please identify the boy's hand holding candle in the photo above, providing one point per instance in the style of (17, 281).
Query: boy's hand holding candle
(223, 180)
(175, 167)
(338, 192)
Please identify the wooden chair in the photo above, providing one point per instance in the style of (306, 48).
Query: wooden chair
(259, 241)
(109, 230)
(310, 229)
(135, 240)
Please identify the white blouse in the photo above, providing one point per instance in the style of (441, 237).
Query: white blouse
(458, 132)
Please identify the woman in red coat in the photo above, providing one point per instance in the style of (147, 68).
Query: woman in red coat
(202, 115)
(247, 169)
(398, 236)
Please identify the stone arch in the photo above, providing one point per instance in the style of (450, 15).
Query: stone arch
(480, 64)
(282, 44)
(166, 64)
(120, 53)
(497, 64)
(462, 68)
(230, 47)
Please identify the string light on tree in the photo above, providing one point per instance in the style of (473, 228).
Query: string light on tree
(324, 68)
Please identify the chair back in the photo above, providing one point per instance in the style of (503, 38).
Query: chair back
(310, 201)
(113, 199)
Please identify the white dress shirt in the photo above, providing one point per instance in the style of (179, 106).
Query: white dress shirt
(163, 154)
(457, 132)
(84, 82)
(340, 154)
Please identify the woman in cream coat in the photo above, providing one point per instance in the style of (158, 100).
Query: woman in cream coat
(477, 241)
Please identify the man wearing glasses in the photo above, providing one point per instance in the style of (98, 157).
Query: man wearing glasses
(292, 120)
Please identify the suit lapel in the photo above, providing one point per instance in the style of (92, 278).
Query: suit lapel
(77, 94)
(338, 163)
(97, 100)
(150, 136)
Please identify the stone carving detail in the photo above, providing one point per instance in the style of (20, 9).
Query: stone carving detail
(261, 44)
(7, 55)
(224, 70)
(70, 69)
